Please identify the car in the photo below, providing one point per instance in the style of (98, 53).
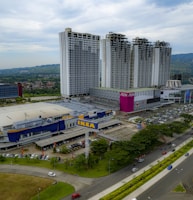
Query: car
(46, 158)
(76, 195)
(51, 174)
(140, 160)
(187, 154)
(169, 167)
(173, 145)
(134, 169)
(164, 152)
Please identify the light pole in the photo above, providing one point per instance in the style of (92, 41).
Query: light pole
(110, 165)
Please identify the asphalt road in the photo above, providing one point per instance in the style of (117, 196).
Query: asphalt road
(103, 183)
(90, 187)
(163, 189)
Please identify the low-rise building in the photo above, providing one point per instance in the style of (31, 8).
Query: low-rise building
(132, 100)
(8, 91)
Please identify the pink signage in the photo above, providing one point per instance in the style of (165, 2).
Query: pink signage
(126, 101)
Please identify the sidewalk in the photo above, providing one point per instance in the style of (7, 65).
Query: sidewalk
(148, 184)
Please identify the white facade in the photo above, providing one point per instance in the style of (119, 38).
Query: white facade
(115, 55)
(161, 63)
(79, 62)
(177, 92)
(141, 63)
(106, 63)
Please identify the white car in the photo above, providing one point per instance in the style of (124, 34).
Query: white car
(134, 169)
(51, 174)
(140, 160)
(173, 145)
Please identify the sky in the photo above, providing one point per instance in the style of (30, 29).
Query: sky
(29, 29)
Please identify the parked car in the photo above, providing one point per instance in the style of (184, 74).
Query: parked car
(51, 174)
(76, 195)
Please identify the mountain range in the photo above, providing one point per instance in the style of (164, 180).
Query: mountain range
(181, 64)
(42, 69)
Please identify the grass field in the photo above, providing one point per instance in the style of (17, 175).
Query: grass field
(99, 171)
(22, 187)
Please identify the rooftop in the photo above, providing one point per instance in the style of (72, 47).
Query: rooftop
(13, 114)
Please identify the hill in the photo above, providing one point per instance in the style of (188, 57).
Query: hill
(181, 64)
(186, 58)
(182, 61)
(42, 69)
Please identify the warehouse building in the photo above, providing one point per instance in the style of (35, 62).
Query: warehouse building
(24, 124)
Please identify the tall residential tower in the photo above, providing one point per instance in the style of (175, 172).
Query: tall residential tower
(161, 63)
(115, 55)
(79, 62)
(141, 63)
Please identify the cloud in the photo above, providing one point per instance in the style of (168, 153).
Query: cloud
(33, 26)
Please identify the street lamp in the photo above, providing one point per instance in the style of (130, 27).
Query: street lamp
(39, 189)
(110, 165)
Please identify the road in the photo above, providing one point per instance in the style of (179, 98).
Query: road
(105, 182)
(162, 190)
(90, 187)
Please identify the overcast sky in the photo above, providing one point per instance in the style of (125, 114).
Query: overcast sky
(29, 28)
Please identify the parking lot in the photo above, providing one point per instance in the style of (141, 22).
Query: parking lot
(164, 114)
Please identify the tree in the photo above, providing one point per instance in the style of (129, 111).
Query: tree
(161, 130)
(80, 162)
(117, 158)
(178, 127)
(54, 162)
(187, 117)
(2, 158)
(64, 150)
(99, 147)
(92, 160)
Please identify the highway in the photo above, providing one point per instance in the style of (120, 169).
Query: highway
(104, 183)
(162, 190)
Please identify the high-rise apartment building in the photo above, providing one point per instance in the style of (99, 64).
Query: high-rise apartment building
(161, 63)
(141, 63)
(79, 62)
(115, 55)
